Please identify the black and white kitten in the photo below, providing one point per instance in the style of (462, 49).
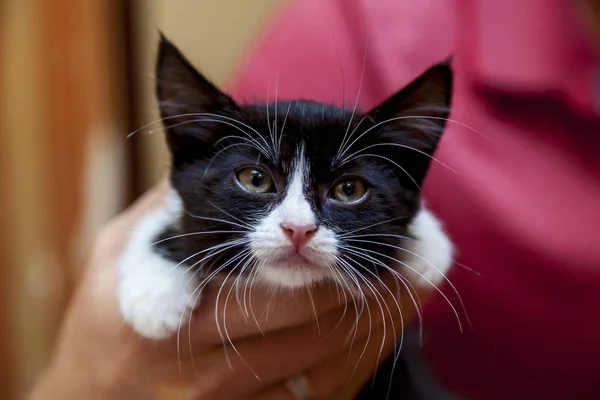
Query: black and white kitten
(289, 194)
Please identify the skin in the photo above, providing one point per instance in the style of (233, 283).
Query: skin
(98, 357)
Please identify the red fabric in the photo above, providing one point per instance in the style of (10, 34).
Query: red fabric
(523, 205)
(315, 50)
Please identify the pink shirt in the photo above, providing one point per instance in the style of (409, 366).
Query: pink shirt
(524, 205)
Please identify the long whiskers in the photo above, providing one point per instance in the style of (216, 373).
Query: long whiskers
(360, 83)
(226, 336)
(192, 234)
(248, 261)
(314, 309)
(203, 114)
(247, 225)
(359, 153)
(240, 225)
(353, 249)
(283, 127)
(397, 347)
(344, 235)
(221, 247)
(428, 263)
(197, 293)
(408, 117)
(251, 140)
(388, 160)
(376, 296)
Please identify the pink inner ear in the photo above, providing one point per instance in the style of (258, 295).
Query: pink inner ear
(315, 50)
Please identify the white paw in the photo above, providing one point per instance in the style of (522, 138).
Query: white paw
(155, 295)
(433, 251)
(158, 300)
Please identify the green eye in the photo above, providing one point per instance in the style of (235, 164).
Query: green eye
(350, 191)
(254, 180)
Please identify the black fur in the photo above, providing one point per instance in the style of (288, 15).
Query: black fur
(204, 134)
(199, 118)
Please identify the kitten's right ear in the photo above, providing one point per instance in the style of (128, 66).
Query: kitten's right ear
(185, 97)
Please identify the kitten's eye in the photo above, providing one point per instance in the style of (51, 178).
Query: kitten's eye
(255, 180)
(350, 191)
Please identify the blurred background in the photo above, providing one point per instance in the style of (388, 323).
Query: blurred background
(75, 79)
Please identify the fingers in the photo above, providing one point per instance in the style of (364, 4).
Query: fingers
(342, 342)
(257, 310)
(260, 362)
(341, 376)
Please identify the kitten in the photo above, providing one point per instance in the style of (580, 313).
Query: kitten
(291, 193)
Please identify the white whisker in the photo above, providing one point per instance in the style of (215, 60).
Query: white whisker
(376, 296)
(283, 127)
(360, 85)
(428, 263)
(192, 234)
(370, 226)
(249, 138)
(314, 309)
(247, 225)
(225, 326)
(349, 248)
(223, 246)
(243, 225)
(359, 154)
(389, 160)
(408, 117)
(378, 279)
(379, 235)
(201, 115)
(198, 292)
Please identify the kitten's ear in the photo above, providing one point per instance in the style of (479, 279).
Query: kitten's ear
(184, 95)
(415, 117)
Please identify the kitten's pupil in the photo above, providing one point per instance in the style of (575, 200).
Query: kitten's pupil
(348, 188)
(258, 179)
(349, 191)
(254, 180)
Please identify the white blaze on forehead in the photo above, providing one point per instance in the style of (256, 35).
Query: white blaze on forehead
(295, 208)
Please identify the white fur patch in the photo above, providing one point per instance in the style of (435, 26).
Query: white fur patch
(155, 295)
(295, 208)
(271, 246)
(432, 251)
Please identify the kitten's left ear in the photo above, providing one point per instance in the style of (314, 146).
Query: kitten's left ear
(184, 96)
(420, 109)
(180, 87)
(415, 117)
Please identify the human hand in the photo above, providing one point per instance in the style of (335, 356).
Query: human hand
(98, 357)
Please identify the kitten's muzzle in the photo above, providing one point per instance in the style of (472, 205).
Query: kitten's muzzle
(299, 234)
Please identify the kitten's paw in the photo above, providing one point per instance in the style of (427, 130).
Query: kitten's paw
(433, 250)
(156, 302)
(155, 294)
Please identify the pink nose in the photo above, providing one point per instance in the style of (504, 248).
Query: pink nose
(298, 234)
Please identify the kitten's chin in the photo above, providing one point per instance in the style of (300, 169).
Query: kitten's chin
(292, 275)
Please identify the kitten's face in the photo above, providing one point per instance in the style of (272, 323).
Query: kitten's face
(296, 192)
